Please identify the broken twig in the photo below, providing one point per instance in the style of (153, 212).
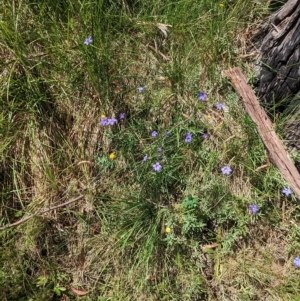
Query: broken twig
(21, 221)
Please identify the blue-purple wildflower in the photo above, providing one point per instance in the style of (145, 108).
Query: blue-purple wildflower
(142, 88)
(122, 116)
(286, 191)
(145, 158)
(296, 262)
(253, 208)
(108, 121)
(111, 121)
(103, 121)
(205, 136)
(157, 166)
(159, 149)
(226, 170)
(88, 40)
(220, 106)
(202, 96)
(154, 133)
(188, 138)
(168, 134)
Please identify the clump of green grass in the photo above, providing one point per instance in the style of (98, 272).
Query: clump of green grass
(159, 220)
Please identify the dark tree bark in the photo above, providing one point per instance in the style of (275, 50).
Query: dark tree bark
(279, 61)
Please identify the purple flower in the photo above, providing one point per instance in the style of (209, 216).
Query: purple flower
(142, 88)
(112, 121)
(104, 121)
(202, 96)
(253, 208)
(88, 40)
(205, 136)
(108, 121)
(220, 106)
(154, 133)
(157, 167)
(145, 158)
(286, 191)
(188, 138)
(122, 115)
(168, 134)
(226, 170)
(296, 262)
(159, 149)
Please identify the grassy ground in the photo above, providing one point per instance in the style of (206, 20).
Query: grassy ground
(183, 232)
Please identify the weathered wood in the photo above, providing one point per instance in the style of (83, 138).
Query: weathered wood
(279, 60)
(277, 153)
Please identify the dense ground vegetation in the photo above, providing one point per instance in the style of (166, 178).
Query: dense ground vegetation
(126, 104)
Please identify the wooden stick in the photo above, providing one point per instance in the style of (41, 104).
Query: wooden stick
(277, 153)
(21, 221)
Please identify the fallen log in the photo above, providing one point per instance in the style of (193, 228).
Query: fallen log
(277, 153)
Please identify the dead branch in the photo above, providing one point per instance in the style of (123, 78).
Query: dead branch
(278, 155)
(21, 221)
